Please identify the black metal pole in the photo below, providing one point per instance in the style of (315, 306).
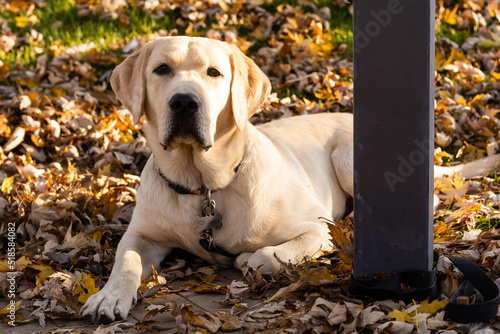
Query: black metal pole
(393, 135)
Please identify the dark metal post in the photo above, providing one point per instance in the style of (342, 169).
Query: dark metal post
(393, 135)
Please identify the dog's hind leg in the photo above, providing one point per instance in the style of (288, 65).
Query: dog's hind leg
(311, 243)
(343, 162)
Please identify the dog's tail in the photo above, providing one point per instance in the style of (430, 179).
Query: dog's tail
(477, 168)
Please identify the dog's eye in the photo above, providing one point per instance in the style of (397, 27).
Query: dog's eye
(163, 69)
(213, 72)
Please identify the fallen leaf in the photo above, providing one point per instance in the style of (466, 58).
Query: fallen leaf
(399, 316)
(86, 289)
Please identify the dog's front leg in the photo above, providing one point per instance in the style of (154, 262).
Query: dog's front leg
(311, 243)
(134, 257)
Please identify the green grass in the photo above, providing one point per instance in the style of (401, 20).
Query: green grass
(486, 223)
(340, 21)
(453, 150)
(452, 33)
(59, 22)
(495, 176)
(73, 30)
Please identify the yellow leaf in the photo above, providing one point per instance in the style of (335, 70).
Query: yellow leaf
(27, 82)
(488, 43)
(449, 17)
(72, 170)
(292, 23)
(90, 289)
(458, 181)
(97, 235)
(495, 76)
(59, 92)
(57, 48)
(5, 310)
(324, 94)
(104, 171)
(205, 322)
(321, 277)
(441, 228)
(123, 123)
(461, 100)
(34, 98)
(345, 259)
(471, 153)
(33, 19)
(189, 30)
(476, 98)
(4, 70)
(23, 21)
(45, 271)
(316, 28)
(17, 6)
(430, 308)
(439, 155)
(4, 267)
(207, 278)
(37, 141)
(338, 237)
(441, 62)
(5, 130)
(223, 6)
(22, 263)
(400, 316)
(7, 185)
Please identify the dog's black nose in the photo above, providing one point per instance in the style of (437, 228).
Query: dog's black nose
(184, 103)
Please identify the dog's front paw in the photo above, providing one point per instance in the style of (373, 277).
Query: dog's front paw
(107, 306)
(262, 259)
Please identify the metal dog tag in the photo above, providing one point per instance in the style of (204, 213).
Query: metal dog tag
(201, 223)
(216, 222)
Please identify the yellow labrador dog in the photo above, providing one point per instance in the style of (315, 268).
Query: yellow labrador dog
(215, 185)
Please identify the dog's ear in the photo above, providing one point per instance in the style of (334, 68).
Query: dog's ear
(249, 87)
(128, 82)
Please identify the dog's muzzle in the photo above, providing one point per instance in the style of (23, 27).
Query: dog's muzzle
(185, 109)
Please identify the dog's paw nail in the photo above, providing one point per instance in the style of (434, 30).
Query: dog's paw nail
(87, 318)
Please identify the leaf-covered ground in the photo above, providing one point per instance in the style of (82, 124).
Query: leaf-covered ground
(71, 157)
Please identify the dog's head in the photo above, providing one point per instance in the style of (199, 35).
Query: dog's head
(185, 85)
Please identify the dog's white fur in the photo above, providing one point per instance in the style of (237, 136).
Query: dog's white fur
(291, 171)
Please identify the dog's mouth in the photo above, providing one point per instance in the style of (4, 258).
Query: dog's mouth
(185, 132)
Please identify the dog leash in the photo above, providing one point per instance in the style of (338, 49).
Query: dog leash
(419, 285)
(476, 280)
